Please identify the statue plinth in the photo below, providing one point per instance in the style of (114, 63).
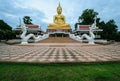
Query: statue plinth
(59, 27)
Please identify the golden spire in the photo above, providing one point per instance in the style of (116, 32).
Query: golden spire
(59, 6)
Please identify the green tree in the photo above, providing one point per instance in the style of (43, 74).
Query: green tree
(27, 20)
(109, 29)
(4, 26)
(87, 16)
(118, 36)
(5, 30)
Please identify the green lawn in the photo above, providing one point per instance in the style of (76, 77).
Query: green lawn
(59, 72)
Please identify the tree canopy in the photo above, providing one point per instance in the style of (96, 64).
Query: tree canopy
(87, 16)
(27, 20)
(5, 30)
(109, 29)
(4, 26)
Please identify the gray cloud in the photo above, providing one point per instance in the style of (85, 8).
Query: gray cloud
(11, 14)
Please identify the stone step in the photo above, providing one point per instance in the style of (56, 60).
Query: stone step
(58, 40)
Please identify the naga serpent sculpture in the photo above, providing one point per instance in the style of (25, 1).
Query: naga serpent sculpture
(25, 37)
(91, 33)
(89, 37)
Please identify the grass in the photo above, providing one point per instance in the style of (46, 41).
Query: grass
(59, 72)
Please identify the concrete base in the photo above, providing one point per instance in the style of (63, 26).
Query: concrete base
(97, 41)
(24, 42)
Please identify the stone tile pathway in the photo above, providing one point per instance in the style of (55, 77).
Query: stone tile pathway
(60, 53)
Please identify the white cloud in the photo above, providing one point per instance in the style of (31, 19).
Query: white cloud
(47, 8)
(10, 15)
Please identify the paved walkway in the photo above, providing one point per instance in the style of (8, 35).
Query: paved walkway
(60, 52)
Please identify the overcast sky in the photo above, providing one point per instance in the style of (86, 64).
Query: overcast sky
(42, 11)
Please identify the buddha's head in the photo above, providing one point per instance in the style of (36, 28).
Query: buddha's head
(59, 9)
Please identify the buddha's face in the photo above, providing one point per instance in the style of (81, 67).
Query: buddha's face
(59, 10)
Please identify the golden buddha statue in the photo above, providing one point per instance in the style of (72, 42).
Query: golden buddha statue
(59, 20)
